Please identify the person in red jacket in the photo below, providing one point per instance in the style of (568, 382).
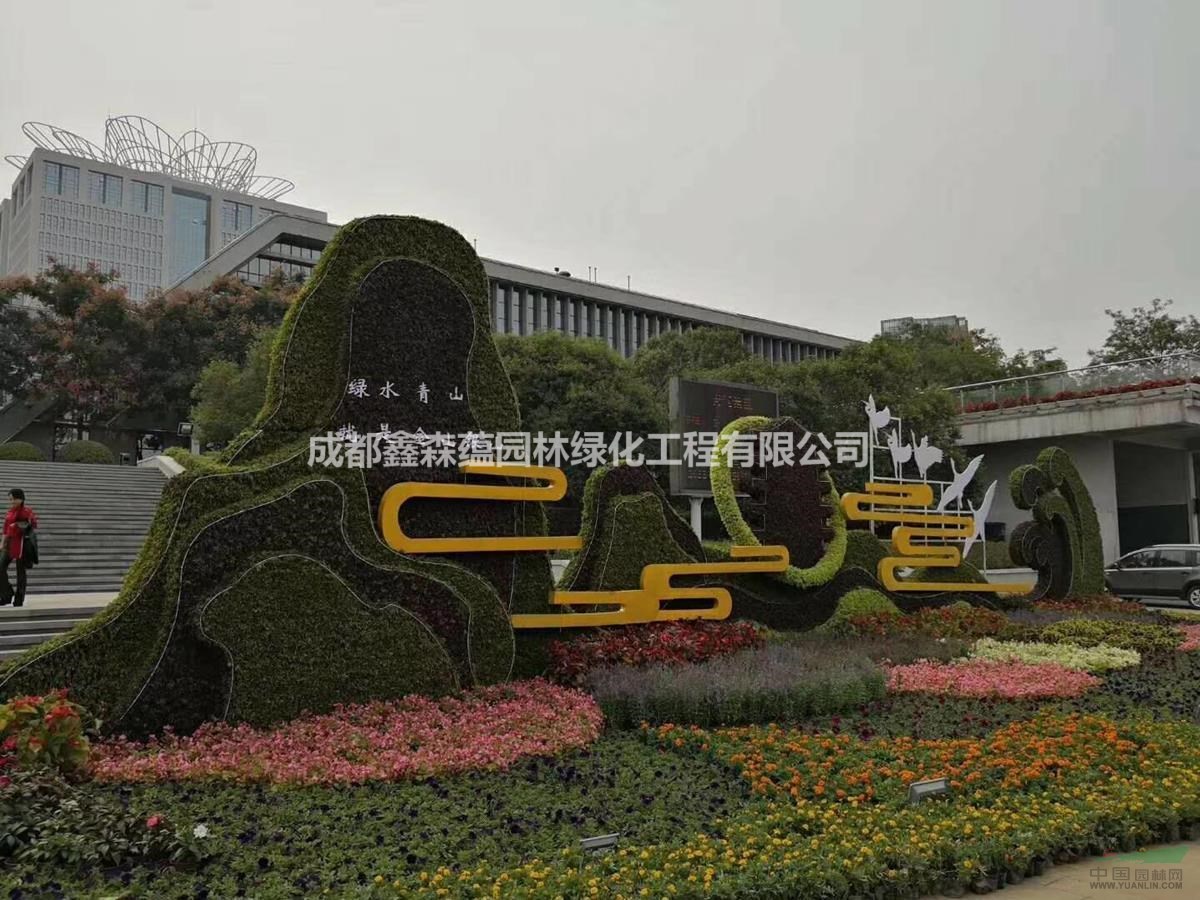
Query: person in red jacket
(19, 521)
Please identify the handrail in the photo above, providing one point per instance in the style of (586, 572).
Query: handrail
(1108, 365)
(1025, 390)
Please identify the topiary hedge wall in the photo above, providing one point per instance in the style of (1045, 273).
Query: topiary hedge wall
(1063, 541)
(263, 586)
(87, 452)
(20, 451)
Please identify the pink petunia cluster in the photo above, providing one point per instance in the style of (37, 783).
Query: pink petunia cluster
(990, 678)
(1191, 637)
(415, 737)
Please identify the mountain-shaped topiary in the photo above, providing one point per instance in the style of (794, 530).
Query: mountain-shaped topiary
(627, 524)
(263, 587)
(1062, 542)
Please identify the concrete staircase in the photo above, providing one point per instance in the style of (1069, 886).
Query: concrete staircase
(34, 623)
(92, 521)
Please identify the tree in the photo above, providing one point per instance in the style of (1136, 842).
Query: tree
(228, 396)
(88, 342)
(187, 330)
(569, 385)
(17, 341)
(684, 354)
(1147, 331)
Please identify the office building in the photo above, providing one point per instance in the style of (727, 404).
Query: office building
(956, 325)
(164, 211)
(145, 204)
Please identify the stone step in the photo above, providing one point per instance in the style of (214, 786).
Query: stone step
(39, 625)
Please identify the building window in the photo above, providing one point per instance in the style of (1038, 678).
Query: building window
(148, 198)
(105, 189)
(61, 180)
(236, 217)
(189, 233)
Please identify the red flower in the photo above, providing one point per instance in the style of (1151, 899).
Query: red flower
(154, 821)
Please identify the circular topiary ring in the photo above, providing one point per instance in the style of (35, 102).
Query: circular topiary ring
(721, 479)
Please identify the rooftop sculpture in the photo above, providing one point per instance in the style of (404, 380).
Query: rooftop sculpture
(135, 142)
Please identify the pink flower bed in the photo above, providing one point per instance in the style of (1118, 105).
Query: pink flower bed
(487, 729)
(990, 678)
(1191, 637)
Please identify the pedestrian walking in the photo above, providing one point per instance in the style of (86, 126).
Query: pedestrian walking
(17, 547)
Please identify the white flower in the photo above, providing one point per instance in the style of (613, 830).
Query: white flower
(200, 831)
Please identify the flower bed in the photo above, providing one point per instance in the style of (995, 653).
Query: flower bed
(487, 729)
(1052, 787)
(959, 620)
(1094, 603)
(1011, 402)
(1191, 638)
(991, 678)
(667, 643)
(782, 681)
(1144, 638)
(1099, 658)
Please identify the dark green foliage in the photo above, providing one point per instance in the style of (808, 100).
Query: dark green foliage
(863, 551)
(963, 573)
(327, 647)
(627, 524)
(87, 452)
(776, 683)
(1063, 541)
(20, 451)
(996, 557)
(395, 299)
(276, 844)
(858, 602)
(49, 824)
(1144, 638)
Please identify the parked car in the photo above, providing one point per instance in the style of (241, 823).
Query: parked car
(1161, 572)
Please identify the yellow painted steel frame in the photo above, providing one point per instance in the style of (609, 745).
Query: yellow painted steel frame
(645, 604)
(399, 494)
(919, 524)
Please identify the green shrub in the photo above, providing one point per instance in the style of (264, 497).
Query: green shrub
(87, 452)
(627, 524)
(864, 551)
(1143, 638)
(860, 602)
(779, 682)
(20, 451)
(43, 733)
(997, 556)
(963, 573)
(53, 826)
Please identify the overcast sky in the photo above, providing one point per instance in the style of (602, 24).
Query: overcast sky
(824, 164)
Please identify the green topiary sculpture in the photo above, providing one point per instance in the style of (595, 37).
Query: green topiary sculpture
(263, 587)
(20, 451)
(1062, 542)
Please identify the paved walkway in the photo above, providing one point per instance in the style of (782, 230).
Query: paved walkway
(1172, 870)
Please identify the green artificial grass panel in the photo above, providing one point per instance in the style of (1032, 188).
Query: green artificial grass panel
(287, 842)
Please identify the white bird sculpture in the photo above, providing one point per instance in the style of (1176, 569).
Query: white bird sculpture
(901, 453)
(979, 516)
(961, 479)
(878, 418)
(924, 454)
